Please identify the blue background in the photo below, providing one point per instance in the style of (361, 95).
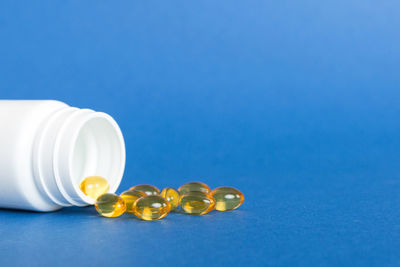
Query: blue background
(296, 103)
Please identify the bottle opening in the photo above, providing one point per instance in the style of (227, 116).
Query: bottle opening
(73, 144)
(97, 150)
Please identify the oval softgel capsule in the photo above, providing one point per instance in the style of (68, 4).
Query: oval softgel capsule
(94, 186)
(194, 186)
(148, 189)
(227, 198)
(110, 205)
(172, 196)
(151, 208)
(197, 203)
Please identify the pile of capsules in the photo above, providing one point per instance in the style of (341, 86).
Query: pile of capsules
(148, 203)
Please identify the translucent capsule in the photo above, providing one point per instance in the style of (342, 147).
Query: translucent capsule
(94, 186)
(151, 208)
(110, 205)
(147, 189)
(227, 198)
(197, 203)
(130, 197)
(194, 186)
(172, 196)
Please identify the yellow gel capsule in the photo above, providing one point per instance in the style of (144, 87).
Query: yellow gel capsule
(194, 186)
(227, 198)
(110, 205)
(94, 186)
(147, 189)
(172, 196)
(151, 208)
(197, 203)
(130, 197)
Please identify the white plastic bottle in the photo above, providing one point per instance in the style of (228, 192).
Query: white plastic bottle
(48, 147)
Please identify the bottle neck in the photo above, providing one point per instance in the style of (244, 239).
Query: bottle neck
(73, 144)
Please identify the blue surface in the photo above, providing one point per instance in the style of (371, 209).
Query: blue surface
(296, 103)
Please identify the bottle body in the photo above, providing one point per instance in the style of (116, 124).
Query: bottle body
(48, 147)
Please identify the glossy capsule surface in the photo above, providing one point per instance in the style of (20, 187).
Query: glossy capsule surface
(149, 190)
(151, 208)
(227, 198)
(94, 186)
(194, 186)
(130, 197)
(197, 203)
(172, 196)
(110, 205)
